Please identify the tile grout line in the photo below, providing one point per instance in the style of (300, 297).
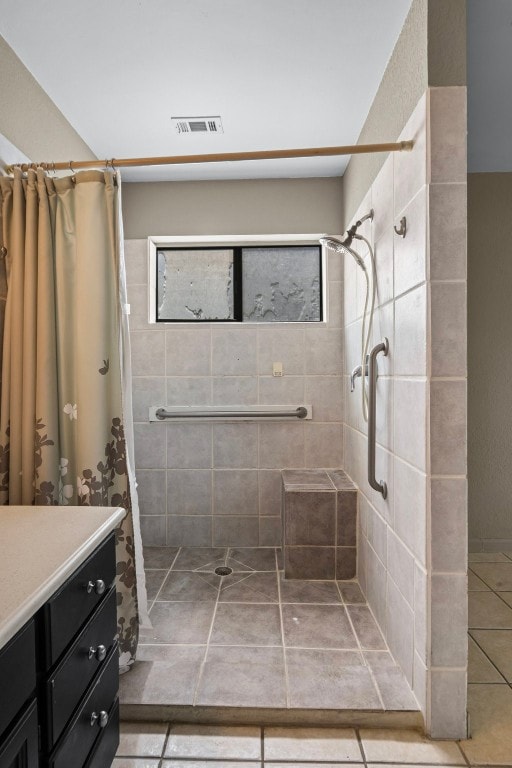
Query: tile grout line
(285, 662)
(207, 648)
(361, 747)
(489, 659)
(361, 651)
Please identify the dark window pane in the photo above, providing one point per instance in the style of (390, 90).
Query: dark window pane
(281, 284)
(195, 285)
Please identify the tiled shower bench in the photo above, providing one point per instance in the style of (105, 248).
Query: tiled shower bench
(319, 524)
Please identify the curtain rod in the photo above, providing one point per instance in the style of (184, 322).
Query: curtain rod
(272, 154)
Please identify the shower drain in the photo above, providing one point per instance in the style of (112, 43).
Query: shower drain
(223, 570)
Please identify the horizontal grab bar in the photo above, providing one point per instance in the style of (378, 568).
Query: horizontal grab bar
(230, 412)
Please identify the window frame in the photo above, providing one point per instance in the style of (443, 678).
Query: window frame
(236, 243)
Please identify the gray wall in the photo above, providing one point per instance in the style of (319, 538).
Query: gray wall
(269, 206)
(489, 361)
(30, 119)
(431, 50)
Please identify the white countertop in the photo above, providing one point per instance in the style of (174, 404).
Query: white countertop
(39, 548)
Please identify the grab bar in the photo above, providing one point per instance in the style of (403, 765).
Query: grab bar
(372, 401)
(231, 412)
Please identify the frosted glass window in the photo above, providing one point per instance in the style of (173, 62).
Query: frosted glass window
(250, 284)
(281, 284)
(195, 284)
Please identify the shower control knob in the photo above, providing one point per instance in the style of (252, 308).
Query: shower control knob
(97, 586)
(100, 718)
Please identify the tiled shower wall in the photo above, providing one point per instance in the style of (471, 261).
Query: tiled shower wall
(412, 546)
(219, 484)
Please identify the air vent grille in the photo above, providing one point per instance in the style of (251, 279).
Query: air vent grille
(198, 124)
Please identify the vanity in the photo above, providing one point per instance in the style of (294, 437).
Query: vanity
(59, 665)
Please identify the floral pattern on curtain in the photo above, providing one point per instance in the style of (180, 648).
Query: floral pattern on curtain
(62, 439)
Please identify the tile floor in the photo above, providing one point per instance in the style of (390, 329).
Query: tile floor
(252, 639)
(160, 745)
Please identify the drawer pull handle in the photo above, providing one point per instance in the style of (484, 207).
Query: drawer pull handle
(101, 718)
(98, 586)
(99, 653)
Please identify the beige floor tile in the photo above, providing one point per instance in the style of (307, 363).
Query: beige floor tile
(487, 557)
(497, 576)
(475, 584)
(407, 747)
(490, 711)
(143, 762)
(507, 597)
(209, 741)
(312, 765)
(487, 611)
(497, 644)
(142, 739)
(208, 764)
(480, 669)
(311, 744)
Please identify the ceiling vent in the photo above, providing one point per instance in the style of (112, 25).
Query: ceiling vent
(198, 124)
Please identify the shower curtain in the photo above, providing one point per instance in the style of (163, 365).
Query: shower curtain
(65, 413)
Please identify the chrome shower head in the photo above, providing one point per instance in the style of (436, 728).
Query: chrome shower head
(342, 246)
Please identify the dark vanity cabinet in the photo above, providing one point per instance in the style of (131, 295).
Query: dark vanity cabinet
(63, 671)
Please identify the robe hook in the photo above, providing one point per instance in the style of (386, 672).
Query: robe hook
(402, 230)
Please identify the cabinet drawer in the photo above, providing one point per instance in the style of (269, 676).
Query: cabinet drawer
(19, 750)
(75, 671)
(85, 727)
(106, 746)
(17, 673)
(67, 610)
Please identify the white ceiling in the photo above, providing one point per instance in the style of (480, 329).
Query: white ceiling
(281, 73)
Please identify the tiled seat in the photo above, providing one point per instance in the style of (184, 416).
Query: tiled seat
(319, 524)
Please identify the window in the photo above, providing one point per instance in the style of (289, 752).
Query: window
(257, 283)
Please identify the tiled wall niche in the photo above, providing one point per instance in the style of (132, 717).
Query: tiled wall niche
(220, 484)
(412, 547)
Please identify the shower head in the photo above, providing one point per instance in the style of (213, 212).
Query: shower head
(342, 246)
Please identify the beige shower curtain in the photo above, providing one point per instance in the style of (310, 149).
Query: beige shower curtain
(61, 421)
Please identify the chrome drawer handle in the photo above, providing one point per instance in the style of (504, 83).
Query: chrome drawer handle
(99, 653)
(99, 717)
(98, 586)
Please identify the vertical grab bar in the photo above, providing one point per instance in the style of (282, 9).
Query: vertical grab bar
(372, 401)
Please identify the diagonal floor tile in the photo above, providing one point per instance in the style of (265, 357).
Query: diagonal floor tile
(367, 631)
(199, 558)
(311, 744)
(159, 557)
(317, 626)
(497, 576)
(507, 597)
(497, 644)
(128, 762)
(255, 588)
(475, 584)
(154, 580)
(329, 680)
(487, 557)
(487, 611)
(255, 558)
(190, 586)
(490, 711)
(480, 669)
(298, 591)
(242, 677)
(396, 746)
(214, 741)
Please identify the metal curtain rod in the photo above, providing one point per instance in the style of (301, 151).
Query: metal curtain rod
(271, 154)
